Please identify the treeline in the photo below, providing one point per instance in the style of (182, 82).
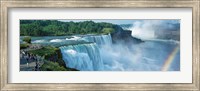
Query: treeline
(58, 28)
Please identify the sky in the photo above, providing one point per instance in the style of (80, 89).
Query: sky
(118, 21)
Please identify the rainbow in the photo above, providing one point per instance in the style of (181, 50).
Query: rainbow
(169, 59)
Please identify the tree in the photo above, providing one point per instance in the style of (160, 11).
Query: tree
(27, 39)
(57, 28)
(107, 30)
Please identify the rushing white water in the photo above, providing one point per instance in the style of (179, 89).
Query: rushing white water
(57, 40)
(99, 39)
(82, 56)
(86, 56)
(106, 56)
(73, 38)
(39, 41)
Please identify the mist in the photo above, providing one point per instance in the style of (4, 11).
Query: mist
(148, 56)
(153, 29)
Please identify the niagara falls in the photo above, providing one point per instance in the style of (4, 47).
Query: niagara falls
(132, 45)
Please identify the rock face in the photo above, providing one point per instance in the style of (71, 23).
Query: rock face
(123, 36)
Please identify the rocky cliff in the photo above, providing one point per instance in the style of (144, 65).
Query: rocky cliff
(123, 36)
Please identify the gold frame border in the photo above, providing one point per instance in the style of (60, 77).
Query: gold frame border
(6, 4)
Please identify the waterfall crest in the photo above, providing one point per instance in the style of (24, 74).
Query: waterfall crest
(99, 39)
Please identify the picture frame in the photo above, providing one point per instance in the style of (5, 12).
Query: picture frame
(4, 56)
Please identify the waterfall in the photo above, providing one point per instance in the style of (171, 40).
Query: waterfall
(86, 57)
(99, 39)
(82, 57)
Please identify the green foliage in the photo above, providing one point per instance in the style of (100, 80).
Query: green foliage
(57, 28)
(23, 46)
(50, 53)
(27, 39)
(52, 66)
(107, 30)
(32, 29)
(46, 51)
